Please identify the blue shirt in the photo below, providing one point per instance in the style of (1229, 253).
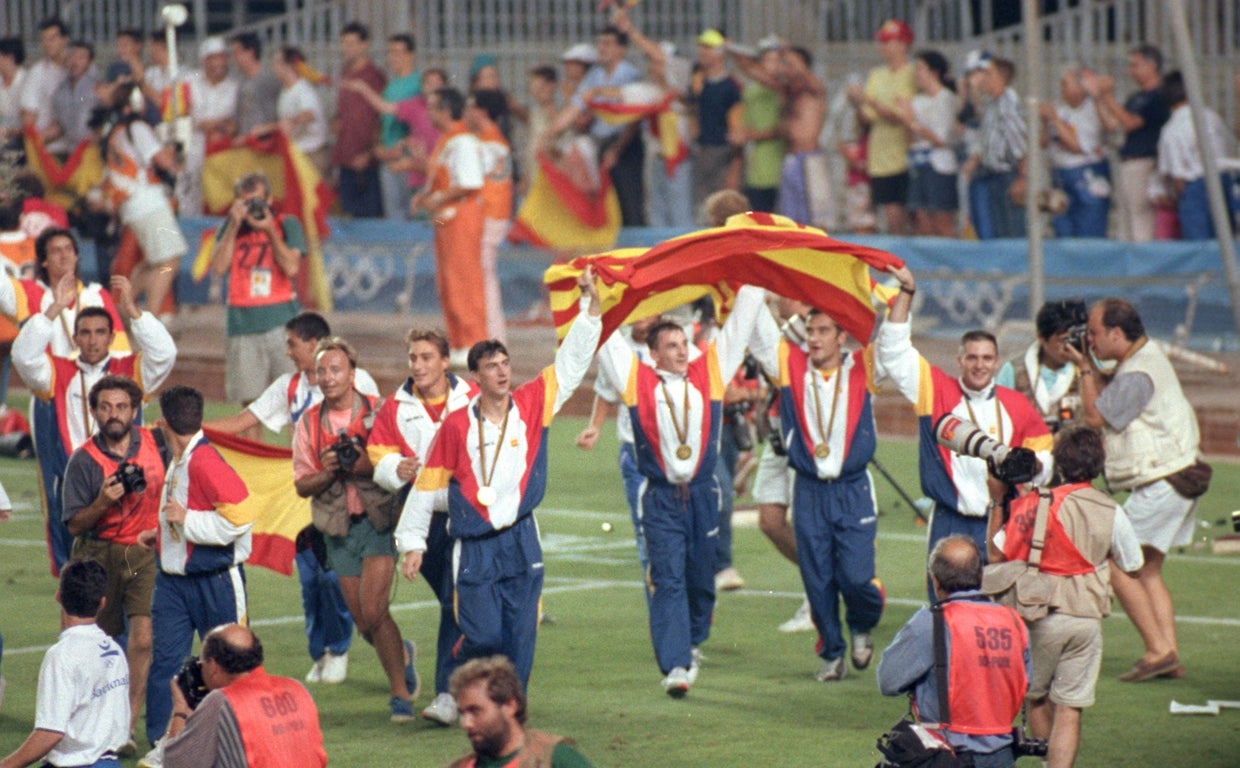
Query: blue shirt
(1143, 142)
(598, 77)
(713, 102)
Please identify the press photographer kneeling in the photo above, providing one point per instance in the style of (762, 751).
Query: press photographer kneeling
(1067, 533)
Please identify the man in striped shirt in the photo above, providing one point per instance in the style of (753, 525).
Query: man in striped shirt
(997, 163)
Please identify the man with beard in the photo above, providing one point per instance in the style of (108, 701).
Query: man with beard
(111, 493)
(492, 706)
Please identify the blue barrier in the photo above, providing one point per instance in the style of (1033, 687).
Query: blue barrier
(380, 266)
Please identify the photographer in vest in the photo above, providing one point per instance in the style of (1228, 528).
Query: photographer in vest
(249, 718)
(112, 489)
(1085, 531)
(1151, 438)
(987, 655)
(331, 467)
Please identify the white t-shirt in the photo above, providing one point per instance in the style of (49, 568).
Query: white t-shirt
(938, 113)
(1178, 154)
(1084, 118)
(144, 197)
(83, 694)
(41, 82)
(462, 156)
(301, 97)
(11, 101)
(275, 409)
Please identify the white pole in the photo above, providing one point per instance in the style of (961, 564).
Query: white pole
(1033, 158)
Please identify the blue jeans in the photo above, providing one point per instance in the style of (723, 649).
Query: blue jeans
(360, 195)
(329, 625)
(396, 193)
(1003, 218)
(1087, 211)
(671, 197)
(1196, 221)
(725, 469)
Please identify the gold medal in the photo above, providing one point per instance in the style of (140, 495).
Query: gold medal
(486, 496)
(681, 426)
(684, 452)
(822, 450)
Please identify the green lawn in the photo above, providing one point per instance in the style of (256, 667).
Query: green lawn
(756, 702)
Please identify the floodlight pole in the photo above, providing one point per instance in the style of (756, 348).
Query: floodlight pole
(1033, 155)
(1214, 185)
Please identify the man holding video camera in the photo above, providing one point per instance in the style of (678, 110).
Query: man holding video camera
(958, 483)
(260, 251)
(356, 516)
(1043, 372)
(1085, 532)
(247, 717)
(1152, 443)
(112, 488)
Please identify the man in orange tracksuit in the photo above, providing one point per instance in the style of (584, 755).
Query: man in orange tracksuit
(454, 200)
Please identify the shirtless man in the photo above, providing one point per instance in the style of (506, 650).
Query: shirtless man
(804, 195)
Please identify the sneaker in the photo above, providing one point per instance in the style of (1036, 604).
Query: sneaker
(832, 669)
(154, 758)
(695, 664)
(677, 683)
(728, 580)
(129, 750)
(315, 675)
(402, 710)
(412, 682)
(862, 650)
(442, 710)
(801, 621)
(335, 668)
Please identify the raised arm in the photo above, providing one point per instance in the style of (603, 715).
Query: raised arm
(738, 329)
(572, 359)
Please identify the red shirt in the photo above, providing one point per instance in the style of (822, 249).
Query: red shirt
(358, 121)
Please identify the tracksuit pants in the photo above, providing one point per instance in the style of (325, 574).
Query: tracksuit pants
(632, 493)
(182, 606)
(52, 462)
(835, 523)
(680, 524)
(437, 570)
(499, 581)
(329, 625)
(944, 522)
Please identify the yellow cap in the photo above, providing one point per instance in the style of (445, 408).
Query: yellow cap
(711, 38)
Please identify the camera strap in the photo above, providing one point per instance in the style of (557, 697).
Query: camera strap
(940, 662)
(1039, 529)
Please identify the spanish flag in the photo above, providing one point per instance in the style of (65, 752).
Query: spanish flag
(647, 101)
(762, 249)
(268, 473)
(68, 181)
(297, 189)
(556, 214)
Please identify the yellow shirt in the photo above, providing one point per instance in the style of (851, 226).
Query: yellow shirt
(888, 150)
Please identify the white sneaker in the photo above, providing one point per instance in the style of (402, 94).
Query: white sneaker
(862, 650)
(677, 682)
(442, 710)
(154, 758)
(832, 670)
(801, 621)
(335, 668)
(315, 675)
(728, 580)
(695, 664)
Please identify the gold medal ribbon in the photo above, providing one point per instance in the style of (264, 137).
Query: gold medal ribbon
(998, 415)
(824, 448)
(682, 432)
(482, 455)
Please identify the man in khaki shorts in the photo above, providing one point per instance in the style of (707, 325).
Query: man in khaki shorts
(1085, 532)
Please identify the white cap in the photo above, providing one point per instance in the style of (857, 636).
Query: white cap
(583, 52)
(212, 46)
(975, 60)
(668, 48)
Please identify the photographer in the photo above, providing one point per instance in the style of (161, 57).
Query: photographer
(1152, 443)
(111, 494)
(261, 252)
(203, 538)
(1044, 373)
(249, 718)
(1084, 528)
(332, 468)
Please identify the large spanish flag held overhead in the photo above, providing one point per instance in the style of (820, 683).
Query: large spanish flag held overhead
(68, 181)
(557, 214)
(761, 249)
(268, 473)
(297, 189)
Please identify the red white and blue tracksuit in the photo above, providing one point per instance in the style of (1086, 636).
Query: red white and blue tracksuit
(834, 514)
(497, 556)
(201, 582)
(956, 483)
(404, 427)
(679, 499)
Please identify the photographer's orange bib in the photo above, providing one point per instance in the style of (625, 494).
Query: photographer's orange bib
(135, 512)
(987, 680)
(255, 279)
(278, 721)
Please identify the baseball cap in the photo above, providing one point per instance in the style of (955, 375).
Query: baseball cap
(212, 46)
(583, 52)
(771, 42)
(975, 60)
(711, 38)
(894, 29)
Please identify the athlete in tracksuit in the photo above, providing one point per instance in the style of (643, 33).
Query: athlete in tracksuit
(828, 424)
(491, 457)
(676, 409)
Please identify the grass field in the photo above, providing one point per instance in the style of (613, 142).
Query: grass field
(756, 702)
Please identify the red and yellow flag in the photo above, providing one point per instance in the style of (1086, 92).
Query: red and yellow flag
(761, 249)
(557, 214)
(647, 101)
(297, 189)
(65, 182)
(268, 473)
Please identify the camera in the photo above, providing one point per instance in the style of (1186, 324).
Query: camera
(131, 477)
(346, 451)
(1076, 338)
(1024, 745)
(189, 680)
(1012, 465)
(256, 208)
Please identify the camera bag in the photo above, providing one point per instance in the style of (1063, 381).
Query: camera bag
(1021, 584)
(1193, 480)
